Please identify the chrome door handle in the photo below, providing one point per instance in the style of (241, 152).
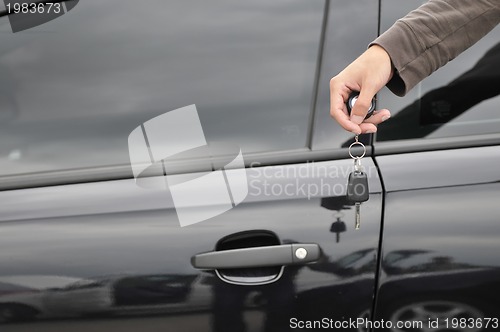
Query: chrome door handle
(287, 254)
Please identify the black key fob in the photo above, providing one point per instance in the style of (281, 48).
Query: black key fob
(357, 187)
(352, 100)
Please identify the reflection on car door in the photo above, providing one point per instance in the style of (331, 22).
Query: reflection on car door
(137, 263)
(441, 238)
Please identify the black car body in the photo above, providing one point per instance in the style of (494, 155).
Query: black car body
(83, 248)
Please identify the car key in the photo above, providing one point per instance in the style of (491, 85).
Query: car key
(357, 184)
(357, 192)
(352, 100)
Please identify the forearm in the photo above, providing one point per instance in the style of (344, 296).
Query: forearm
(435, 33)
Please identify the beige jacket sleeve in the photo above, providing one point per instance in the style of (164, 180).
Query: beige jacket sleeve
(433, 34)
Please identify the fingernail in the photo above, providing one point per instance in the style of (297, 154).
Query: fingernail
(357, 119)
(385, 117)
(371, 131)
(355, 132)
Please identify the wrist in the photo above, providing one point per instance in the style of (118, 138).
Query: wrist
(383, 57)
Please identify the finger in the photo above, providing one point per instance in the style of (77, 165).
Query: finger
(363, 103)
(368, 128)
(340, 115)
(338, 110)
(379, 116)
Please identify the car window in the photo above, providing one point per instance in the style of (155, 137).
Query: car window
(459, 100)
(74, 88)
(344, 42)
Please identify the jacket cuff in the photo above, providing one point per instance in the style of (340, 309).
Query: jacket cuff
(403, 47)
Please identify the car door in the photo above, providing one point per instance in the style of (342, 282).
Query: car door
(440, 267)
(85, 247)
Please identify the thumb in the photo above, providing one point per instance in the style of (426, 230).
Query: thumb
(361, 106)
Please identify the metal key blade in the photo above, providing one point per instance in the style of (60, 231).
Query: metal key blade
(357, 208)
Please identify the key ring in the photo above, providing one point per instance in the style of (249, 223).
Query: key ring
(357, 143)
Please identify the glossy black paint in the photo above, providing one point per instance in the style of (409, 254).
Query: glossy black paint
(85, 260)
(456, 239)
(440, 226)
(110, 256)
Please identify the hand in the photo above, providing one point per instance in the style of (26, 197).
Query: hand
(367, 74)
